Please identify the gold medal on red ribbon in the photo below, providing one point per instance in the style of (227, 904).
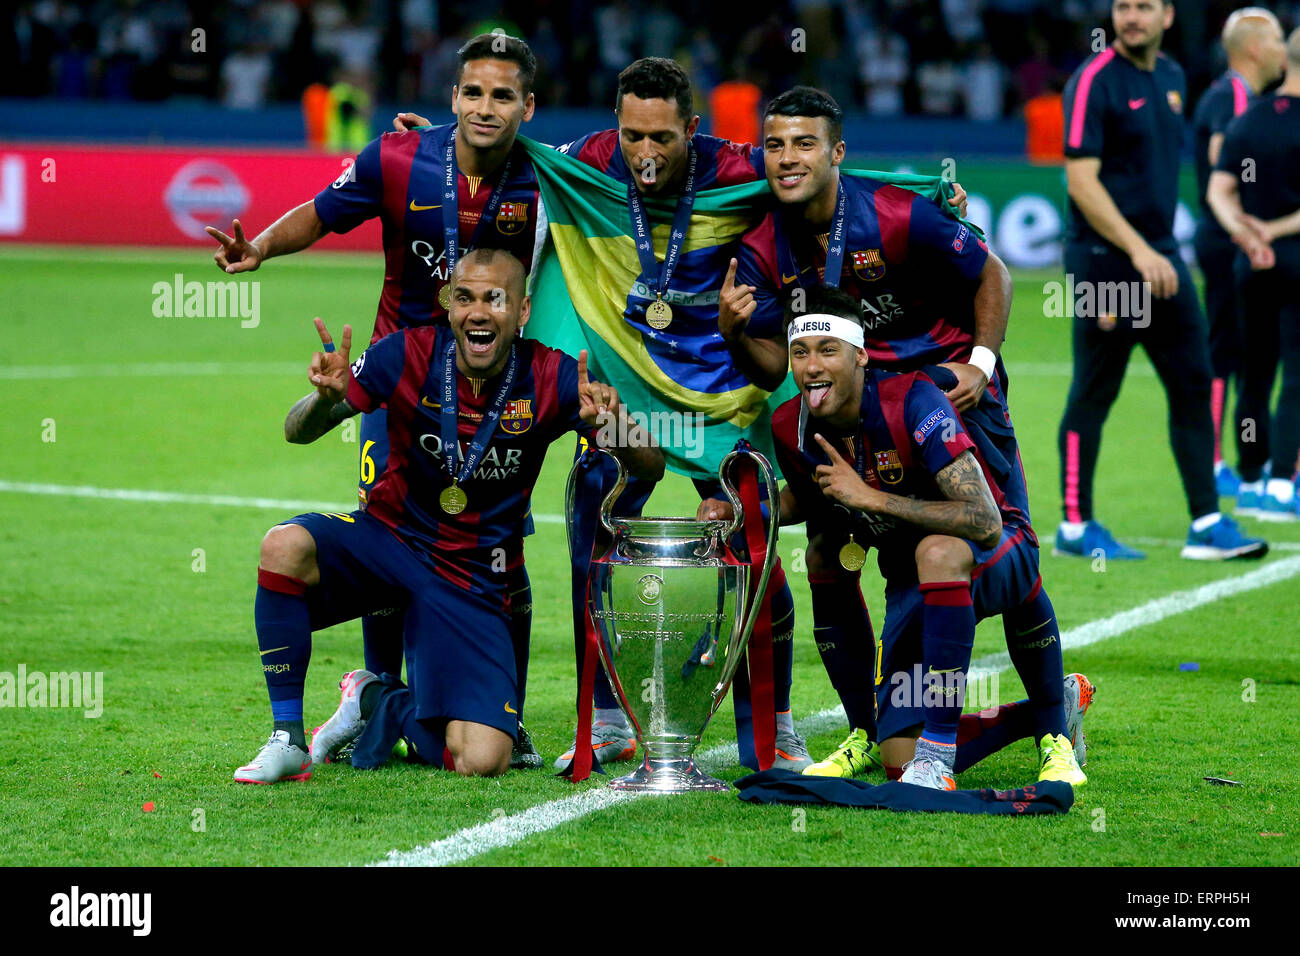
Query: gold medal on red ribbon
(453, 500)
(853, 556)
(444, 297)
(659, 314)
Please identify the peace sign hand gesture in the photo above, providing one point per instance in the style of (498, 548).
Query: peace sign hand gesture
(330, 370)
(237, 254)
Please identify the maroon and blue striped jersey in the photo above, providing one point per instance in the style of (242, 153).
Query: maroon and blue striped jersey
(690, 350)
(404, 371)
(913, 268)
(907, 433)
(398, 177)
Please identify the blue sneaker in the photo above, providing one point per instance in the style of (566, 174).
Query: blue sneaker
(1095, 538)
(1273, 508)
(1226, 481)
(1222, 541)
(1250, 496)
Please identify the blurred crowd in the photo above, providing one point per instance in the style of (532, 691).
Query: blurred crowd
(980, 59)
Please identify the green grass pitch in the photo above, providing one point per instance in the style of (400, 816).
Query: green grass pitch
(158, 597)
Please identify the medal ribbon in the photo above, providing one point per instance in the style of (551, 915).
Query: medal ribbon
(450, 414)
(451, 203)
(645, 249)
(834, 245)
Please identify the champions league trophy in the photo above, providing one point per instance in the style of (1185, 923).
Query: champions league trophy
(668, 600)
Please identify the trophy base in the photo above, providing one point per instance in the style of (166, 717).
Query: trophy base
(669, 775)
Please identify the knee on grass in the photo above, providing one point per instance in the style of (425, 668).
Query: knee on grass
(478, 750)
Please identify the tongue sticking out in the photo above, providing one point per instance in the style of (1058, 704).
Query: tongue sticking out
(816, 394)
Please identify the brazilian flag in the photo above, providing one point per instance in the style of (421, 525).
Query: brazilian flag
(581, 282)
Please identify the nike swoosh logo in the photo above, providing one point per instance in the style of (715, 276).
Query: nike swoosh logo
(272, 650)
(946, 670)
(428, 404)
(786, 280)
(1137, 104)
(511, 710)
(415, 208)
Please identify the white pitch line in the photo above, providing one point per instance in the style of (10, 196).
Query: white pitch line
(169, 497)
(509, 830)
(292, 504)
(185, 498)
(1179, 542)
(505, 831)
(149, 370)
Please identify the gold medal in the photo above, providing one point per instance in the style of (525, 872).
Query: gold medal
(853, 556)
(659, 314)
(453, 500)
(444, 297)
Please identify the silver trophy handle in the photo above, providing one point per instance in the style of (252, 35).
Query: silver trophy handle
(606, 506)
(774, 513)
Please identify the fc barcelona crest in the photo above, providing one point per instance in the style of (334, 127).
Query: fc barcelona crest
(517, 416)
(512, 217)
(1175, 101)
(868, 265)
(889, 466)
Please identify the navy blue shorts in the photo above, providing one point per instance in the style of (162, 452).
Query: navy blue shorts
(460, 661)
(1004, 577)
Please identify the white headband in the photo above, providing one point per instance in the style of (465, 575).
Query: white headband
(818, 324)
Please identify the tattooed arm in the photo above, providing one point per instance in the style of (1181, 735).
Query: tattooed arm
(969, 512)
(312, 416)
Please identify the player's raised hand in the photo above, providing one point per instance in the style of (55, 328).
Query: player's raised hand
(404, 122)
(596, 400)
(1157, 270)
(736, 304)
(237, 254)
(331, 369)
(840, 482)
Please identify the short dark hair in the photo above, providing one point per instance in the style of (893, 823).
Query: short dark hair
(492, 256)
(498, 46)
(809, 101)
(657, 78)
(825, 299)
